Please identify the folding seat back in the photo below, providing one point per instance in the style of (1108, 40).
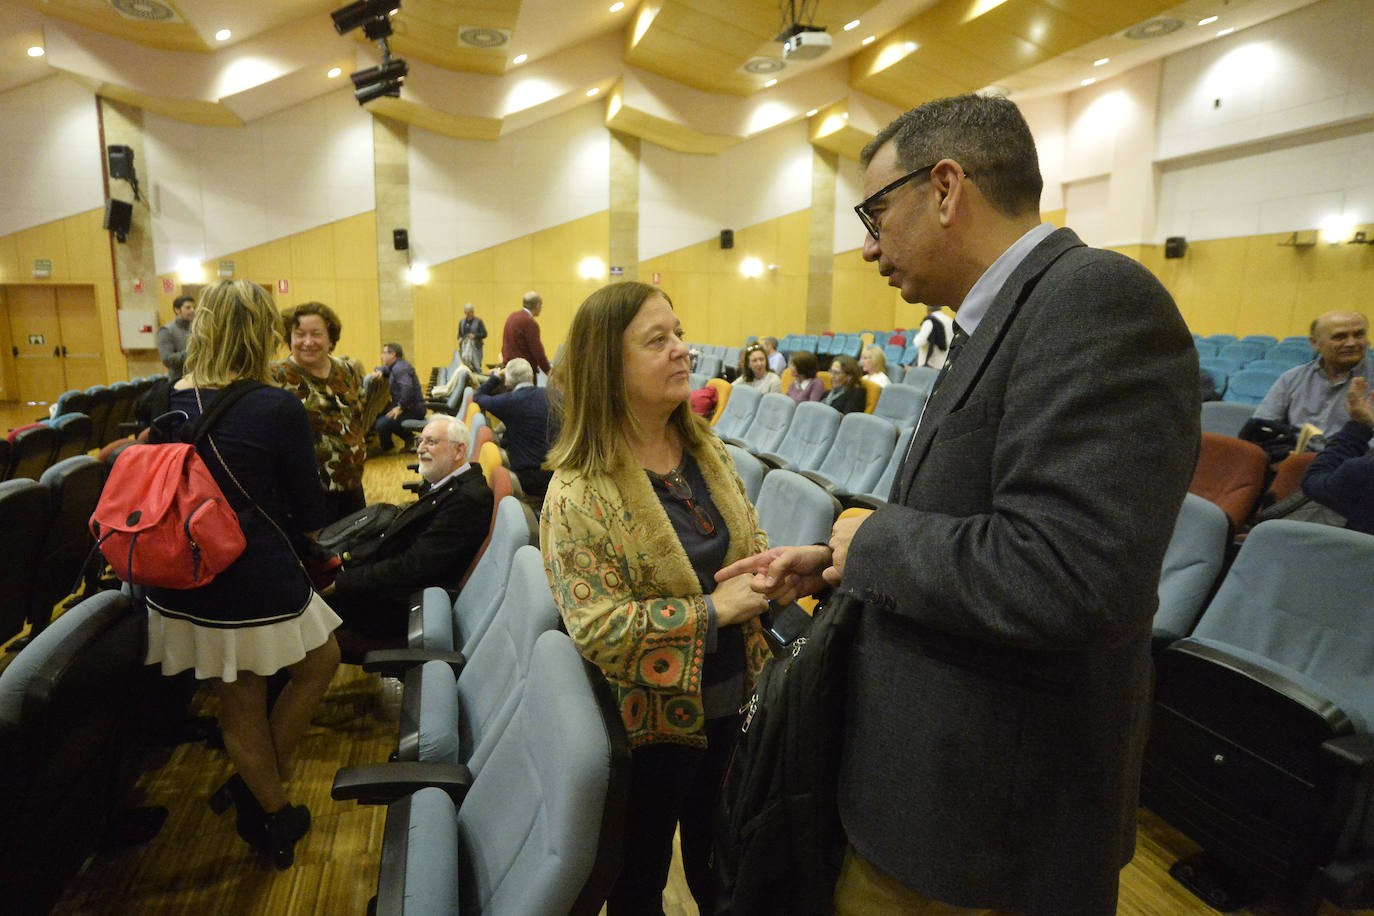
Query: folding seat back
(72, 488)
(449, 626)
(73, 401)
(1269, 365)
(1230, 472)
(863, 447)
(1221, 363)
(1225, 418)
(878, 493)
(723, 392)
(376, 399)
(922, 378)
(68, 707)
(1288, 476)
(1192, 567)
(489, 457)
(4, 459)
(1294, 354)
(795, 511)
(102, 400)
(31, 451)
(541, 828)
(1242, 352)
(871, 393)
(1249, 386)
(808, 439)
(738, 413)
(1266, 340)
(731, 356)
(121, 411)
(1221, 340)
(1206, 347)
(901, 404)
(750, 470)
(710, 365)
(696, 380)
(23, 519)
(770, 423)
(475, 426)
(893, 353)
(73, 433)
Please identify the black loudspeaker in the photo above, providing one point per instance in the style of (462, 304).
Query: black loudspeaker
(1174, 246)
(400, 239)
(727, 238)
(119, 216)
(121, 162)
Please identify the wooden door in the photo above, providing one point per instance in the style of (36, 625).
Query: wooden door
(36, 336)
(83, 345)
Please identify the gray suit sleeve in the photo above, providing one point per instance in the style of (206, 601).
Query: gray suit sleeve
(167, 351)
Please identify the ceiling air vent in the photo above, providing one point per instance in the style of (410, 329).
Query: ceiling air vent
(482, 37)
(1155, 28)
(763, 65)
(145, 10)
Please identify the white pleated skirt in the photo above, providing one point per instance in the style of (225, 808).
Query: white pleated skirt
(222, 653)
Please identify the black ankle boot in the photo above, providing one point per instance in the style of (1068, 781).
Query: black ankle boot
(228, 794)
(281, 831)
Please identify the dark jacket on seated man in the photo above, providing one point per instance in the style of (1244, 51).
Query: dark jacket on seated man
(1341, 477)
(432, 541)
(524, 409)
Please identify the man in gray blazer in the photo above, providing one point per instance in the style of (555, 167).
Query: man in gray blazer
(1000, 670)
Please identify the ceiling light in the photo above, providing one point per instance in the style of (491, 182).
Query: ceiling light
(1088, 82)
(223, 35)
(1225, 32)
(869, 40)
(812, 112)
(35, 51)
(617, 7)
(1102, 60)
(519, 59)
(772, 82)
(851, 25)
(334, 72)
(592, 91)
(1208, 21)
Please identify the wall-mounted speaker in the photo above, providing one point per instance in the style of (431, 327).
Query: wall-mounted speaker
(1174, 246)
(400, 239)
(119, 216)
(121, 162)
(727, 238)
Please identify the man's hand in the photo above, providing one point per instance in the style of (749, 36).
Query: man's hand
(840, 537)
(1359, 403)
(782, 574)
(394, 412)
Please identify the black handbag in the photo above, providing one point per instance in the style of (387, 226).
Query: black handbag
(357, 535)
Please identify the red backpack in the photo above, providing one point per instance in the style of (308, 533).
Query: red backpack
(162, 520)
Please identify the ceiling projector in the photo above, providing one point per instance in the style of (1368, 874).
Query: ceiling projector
(806, 45)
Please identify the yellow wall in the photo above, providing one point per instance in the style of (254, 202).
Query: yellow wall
(335, 264)
(80, 253)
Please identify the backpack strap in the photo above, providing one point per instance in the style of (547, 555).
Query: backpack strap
(227, 397)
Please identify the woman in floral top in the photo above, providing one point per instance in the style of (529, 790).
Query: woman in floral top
(332, 390)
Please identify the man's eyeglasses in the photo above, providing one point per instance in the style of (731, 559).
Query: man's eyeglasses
(865, 208)
(429, 441)
(677, 485)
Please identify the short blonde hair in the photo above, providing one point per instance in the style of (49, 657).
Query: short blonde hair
(235, 334)
(875, 353)
(588, 384)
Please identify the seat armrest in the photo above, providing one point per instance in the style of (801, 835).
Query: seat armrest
(384, 783)
(774, 461)
(1352, 750)
(731, 440)
(817, 477)
(396, 662)
(862, 501)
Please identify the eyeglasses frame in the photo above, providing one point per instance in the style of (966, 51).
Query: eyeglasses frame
(680, 489)
(862, 208)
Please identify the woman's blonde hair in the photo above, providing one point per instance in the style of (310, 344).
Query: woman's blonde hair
(588, 384)
(877, 357)
(234, 335)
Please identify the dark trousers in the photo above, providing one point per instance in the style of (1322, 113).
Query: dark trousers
(391, 426)
(672, 786)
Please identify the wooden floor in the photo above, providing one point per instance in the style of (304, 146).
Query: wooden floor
(198, 865)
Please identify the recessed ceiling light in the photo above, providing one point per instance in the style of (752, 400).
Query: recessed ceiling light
(869, 40)
(1225, 32)
(772, 82)
(1088, 82)
(519, 59)
(1208, 21)
(223, 35)
(333, 72)
(851, 25)
(617, 7)
(592, 91)
(812, 112)
(909, 47)
(35, 51)
(1102, 60)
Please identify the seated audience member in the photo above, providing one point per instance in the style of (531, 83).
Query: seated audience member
(1315, 392)
(407, 399)
(1341, 477)
(703, 401)
(432, 541)
(875, 366)
(524, 408)
(846, 392)
(776, 361)
(754, 371)
(806, 386)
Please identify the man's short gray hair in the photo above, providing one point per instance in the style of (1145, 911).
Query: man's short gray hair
(518, 371)
(457, 429)
(532, 299)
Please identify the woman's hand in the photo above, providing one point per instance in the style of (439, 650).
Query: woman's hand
(783, 574)
(1359, 403)
(736, 601)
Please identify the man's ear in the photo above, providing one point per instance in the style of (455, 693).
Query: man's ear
(948, 177)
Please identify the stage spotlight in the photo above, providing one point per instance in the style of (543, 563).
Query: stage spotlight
(361, 13)
(375, 82)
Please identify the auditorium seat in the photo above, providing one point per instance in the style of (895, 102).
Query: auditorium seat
(23, 519)
(1293, 353)
(901, 404)
(541, 827)
(876, 495)
(1242, 352)
(723, 390)
(769, 425)
(739, 411)
(31, 451)
(922, 378)
(750, 469)
(73, 435)
(794, 511)
(863, 447)
(1225, 417)
(73, 401)
(1261, 747)
(71, 488)
(1288, 475)
(1249, 386)
(1192, 567)
(807, 440)
(1230, 472)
